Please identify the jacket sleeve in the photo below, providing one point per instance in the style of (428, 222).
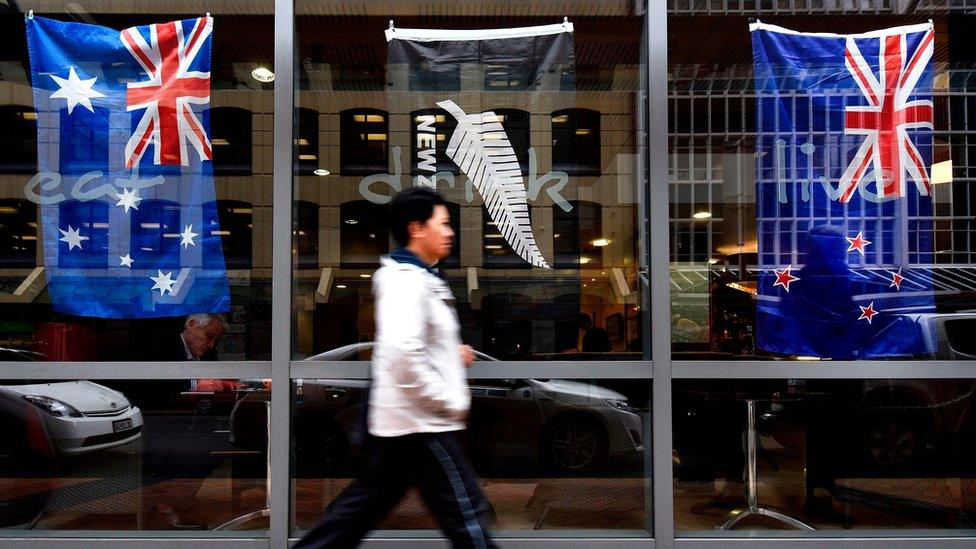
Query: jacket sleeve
(401, 317)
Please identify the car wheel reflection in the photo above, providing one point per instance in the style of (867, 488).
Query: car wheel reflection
(575, 445)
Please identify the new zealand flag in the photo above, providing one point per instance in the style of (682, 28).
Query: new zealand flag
(131, 228)
(843, 193)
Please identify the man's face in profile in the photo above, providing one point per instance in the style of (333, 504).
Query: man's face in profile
(202, 339)
(433, 238)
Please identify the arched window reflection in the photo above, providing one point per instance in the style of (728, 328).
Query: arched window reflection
(155, 228)
(498, 253)
(18, 139)
(364, 233)
(508, 324)
(307, 142)
(305, 237)
(18, 233)
(234, 225)
(516, 125)
(363, 141)
(577, 235)
(90, 220)
(231, 137)
(576, 141)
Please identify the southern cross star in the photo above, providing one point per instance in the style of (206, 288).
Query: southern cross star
(784, 278)
(73, 237)
(867, 313)
(897, 279)
(125, 261)
(186, 237)
(128, 199)
(75, 91)
(857, 243)
(163, 282)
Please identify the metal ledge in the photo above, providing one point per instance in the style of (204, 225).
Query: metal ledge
(121, 542)
(617, 369)
(833, 542)
(134, 370)
(824, 369)
(550, 540)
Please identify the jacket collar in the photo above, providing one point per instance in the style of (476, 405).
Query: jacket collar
(403, 255)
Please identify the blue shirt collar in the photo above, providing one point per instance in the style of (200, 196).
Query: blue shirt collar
(403, 255)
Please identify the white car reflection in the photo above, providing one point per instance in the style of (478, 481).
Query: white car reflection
(80, 416)
(565, 426)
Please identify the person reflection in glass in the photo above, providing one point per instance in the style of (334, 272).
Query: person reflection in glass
(818, 310)
(591, 339)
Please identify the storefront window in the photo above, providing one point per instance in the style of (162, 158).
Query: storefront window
(522, 282)
(163, 455)
(794, 235)
(85, 230)
(552, 454)
(826, 454)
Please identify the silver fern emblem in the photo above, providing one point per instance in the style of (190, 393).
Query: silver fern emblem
(482, 150)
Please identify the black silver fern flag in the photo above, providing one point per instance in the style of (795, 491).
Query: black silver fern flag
(456, 81)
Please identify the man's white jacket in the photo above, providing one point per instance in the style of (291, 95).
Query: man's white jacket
(419, 381)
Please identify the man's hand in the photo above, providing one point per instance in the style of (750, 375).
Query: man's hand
(467, 355)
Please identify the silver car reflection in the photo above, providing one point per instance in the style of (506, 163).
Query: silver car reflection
(566, 427)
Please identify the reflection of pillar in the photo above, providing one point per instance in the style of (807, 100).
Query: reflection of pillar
(542, 230)
(472, 240)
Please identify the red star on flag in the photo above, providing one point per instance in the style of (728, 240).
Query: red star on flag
(784, 278)
(896, 279)
(867, 312)
(857, 243)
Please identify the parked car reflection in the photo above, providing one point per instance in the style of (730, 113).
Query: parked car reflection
(80, 416)
(517, 426)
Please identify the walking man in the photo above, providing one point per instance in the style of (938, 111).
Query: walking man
(419, 398)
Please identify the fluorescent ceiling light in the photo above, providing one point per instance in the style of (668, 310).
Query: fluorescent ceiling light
(942, 172)
(262, 74)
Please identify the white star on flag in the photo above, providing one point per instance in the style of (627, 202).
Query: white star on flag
(128, 199)
(75, 90)
(125, 261)
(163, 282)
(73, 237)
(186, 237)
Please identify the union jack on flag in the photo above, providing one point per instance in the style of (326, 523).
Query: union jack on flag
(843, 194)
(127, 233)
(166, 95)
(888, 148)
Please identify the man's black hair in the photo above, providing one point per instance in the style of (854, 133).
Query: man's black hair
(413, 204)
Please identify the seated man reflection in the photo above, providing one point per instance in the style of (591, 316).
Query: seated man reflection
(198, 341)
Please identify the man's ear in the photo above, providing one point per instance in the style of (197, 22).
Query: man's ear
(415, 229)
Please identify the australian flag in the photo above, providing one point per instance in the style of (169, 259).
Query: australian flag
(843, 195)
(123, 136)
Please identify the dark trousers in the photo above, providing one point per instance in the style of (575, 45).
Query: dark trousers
(432, 462)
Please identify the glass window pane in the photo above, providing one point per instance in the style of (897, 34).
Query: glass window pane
(385, 126)
(875, 454)
(180, 456)
(551, 454)
(103, 253)
(781, 247)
